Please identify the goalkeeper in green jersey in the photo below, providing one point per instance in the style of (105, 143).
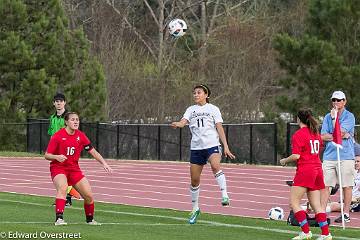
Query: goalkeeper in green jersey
(57, 119)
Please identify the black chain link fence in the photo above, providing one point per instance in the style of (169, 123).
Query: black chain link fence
(253, 143)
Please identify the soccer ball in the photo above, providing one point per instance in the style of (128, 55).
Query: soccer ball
(177, 28)
(276, 213)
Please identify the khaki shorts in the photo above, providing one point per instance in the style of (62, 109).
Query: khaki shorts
(348, 172)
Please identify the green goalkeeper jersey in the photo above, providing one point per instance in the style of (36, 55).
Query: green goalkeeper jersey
(56, 123)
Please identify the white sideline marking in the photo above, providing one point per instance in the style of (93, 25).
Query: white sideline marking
(151, 199)
(210, 223)
(160, 193)
(7, 222)
(108, 223)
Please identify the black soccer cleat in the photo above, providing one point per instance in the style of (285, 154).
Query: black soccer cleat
(289, 182)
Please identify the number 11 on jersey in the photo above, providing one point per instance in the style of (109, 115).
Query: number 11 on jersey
(202, 122)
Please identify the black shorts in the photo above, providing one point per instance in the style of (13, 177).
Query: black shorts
(200, 157)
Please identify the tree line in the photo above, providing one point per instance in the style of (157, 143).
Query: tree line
(115, 60)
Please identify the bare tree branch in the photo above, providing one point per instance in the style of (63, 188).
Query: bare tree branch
(232, 8)
(161, 34)
(190, 9)
(111, 3)
(212, 21)
(188, 6)
(172, 10)
(151, 12)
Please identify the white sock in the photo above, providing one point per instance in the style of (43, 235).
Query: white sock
(221, 180)
(195, 197)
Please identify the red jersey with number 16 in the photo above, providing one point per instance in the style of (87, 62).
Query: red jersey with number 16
(62, 143)
(307, 145)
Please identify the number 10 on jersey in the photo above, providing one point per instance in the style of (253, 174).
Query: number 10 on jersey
(315, 146)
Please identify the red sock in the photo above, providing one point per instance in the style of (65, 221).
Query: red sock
(322, 221)
(89, 209)
(59, 205)
(301, 218)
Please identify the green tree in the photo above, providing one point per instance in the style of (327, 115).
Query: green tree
(324, 58)
(40, 55)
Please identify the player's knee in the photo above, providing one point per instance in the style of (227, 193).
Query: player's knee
(88, 197)
(62, 189)
(195, 182)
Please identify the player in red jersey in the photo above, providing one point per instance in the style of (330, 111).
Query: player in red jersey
(64, 151)
(309, 178)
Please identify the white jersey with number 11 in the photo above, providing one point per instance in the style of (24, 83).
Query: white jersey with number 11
(202, 123)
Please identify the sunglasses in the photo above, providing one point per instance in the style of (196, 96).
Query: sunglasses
(337, 100)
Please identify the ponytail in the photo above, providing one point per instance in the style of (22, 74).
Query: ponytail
(306, 117)
(313, 125)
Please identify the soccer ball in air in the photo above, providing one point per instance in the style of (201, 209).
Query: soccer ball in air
(276, 213)
(177, 28)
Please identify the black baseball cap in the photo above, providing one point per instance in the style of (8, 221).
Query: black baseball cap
(59, 96)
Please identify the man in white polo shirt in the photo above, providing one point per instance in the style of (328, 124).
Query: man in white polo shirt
(347, 125)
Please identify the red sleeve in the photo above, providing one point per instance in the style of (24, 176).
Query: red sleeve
(53, 145)
(296, 144)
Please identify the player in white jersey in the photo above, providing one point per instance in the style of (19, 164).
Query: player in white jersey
(205, 123)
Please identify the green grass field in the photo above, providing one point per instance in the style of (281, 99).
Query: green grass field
(35, 215)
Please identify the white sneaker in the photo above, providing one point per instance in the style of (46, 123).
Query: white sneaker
(94, 223)
(303, 235)
(325, 237)
(60, 222)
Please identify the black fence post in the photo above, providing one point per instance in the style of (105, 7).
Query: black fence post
(138, 142)
(97, 135)
(40, 136)
(275, 144)
(159, 143)
(288, 139)
(180, 143)
(117, 141)
(27, 134)
(251, 143)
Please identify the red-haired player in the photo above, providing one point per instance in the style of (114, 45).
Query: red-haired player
(309, 177)
(64, 151)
